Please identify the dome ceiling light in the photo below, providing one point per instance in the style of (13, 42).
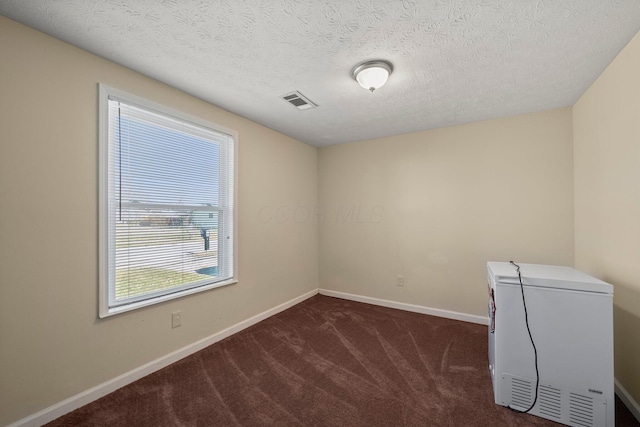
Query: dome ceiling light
(372, 74)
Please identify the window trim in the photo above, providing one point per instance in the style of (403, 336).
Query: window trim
(104, 94)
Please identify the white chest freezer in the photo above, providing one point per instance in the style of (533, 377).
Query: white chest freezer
(571, 321)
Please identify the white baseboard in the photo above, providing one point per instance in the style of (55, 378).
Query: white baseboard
(407, 307)
(74, 402)
(627, 399)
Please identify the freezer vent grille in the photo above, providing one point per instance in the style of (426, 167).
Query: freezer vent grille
(550, 405)
(581, 410)
(556, 403)
(521, 393)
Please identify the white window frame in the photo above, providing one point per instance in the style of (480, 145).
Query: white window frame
(106, 233)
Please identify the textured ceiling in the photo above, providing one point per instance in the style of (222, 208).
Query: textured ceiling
(455, 61)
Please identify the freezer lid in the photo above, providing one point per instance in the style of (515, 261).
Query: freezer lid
(550, 276)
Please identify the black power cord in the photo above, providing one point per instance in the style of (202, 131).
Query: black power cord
(535, 351)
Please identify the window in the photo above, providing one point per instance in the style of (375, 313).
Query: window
(166, 203)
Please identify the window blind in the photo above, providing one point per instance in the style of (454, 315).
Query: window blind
(170, 204)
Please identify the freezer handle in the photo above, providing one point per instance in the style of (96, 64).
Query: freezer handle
(492, 312)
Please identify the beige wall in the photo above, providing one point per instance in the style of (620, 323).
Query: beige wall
(431, 206)
(606, 125)
(52, 345)
(436, 206)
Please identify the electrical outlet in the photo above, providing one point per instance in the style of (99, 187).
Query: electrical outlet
(400, 281)
(176, 319)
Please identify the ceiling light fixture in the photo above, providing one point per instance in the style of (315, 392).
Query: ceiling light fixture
(372, 74)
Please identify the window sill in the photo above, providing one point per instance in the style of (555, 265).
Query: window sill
(111, 311)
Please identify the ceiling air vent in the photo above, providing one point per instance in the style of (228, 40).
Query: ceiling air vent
(299, 101)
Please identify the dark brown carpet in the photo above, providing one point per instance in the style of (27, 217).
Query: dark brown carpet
(323, 362)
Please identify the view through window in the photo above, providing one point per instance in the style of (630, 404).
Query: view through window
(169, 204)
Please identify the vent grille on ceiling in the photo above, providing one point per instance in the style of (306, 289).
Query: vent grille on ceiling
(299, 101)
